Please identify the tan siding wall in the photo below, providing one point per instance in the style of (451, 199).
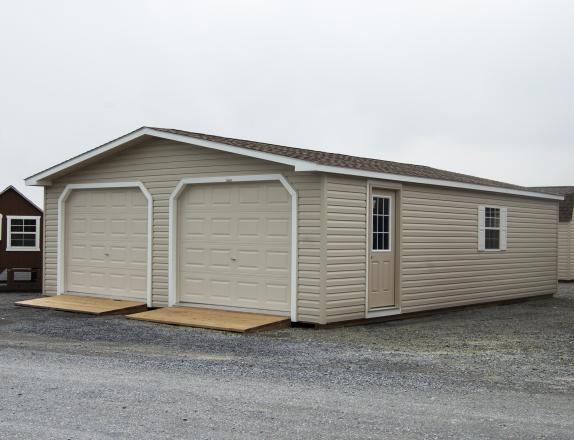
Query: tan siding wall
(566, 251)
(440, 262)
(346, 200)
(160, 165)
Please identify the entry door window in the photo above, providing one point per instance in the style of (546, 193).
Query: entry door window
(381, 222)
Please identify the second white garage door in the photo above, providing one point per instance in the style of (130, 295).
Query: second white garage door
(234, 245)
(106, 243)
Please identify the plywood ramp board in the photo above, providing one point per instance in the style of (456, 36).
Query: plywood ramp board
(85, 304)
(240, 322)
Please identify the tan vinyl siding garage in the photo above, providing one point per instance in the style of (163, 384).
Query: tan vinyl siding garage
(435, 228)
(160, 165)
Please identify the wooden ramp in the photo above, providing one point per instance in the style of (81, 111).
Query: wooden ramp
(240, 322)
(85, 304)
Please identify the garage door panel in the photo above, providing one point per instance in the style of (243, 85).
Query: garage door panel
(220, 197)
(234, 245)
(193, 228)
(194, 259)
(278, 293)
(278, 262)
(248, 260)
(248, 228)
(278, 229)
(220, 228)
(106, 244)
(238, 291)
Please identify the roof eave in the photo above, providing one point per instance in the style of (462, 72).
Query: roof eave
(43, 178)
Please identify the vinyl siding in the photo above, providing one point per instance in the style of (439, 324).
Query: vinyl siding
(566, 251)
(346, 229)
(160, 165)
(440, 265)
(440, 262)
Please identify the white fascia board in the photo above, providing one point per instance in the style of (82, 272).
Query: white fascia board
(43, 178)
(309, 166)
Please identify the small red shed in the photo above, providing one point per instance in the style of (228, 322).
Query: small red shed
(21, 242)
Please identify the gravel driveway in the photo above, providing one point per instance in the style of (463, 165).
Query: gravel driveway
(491, 372)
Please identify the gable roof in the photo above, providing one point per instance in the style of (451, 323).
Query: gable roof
(26, 199)
(302, 160)
(566, 206)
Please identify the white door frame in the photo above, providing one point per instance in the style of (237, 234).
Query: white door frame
(172, 263)
(60, 273)
(397, 189)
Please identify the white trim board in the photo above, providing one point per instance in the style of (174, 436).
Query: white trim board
(43, 178)
(172, 261)
(60, 275)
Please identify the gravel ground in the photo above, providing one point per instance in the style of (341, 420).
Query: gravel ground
(491, 372)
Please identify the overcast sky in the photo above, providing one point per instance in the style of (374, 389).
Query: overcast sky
(479, 87)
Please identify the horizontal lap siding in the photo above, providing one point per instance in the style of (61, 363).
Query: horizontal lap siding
(345, 285)
(566, 251)
(160, 165)
(440, 262)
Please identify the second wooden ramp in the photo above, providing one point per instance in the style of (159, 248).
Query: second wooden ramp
(211, 318)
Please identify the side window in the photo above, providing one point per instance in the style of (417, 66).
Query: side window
(381, 221)
(23, 233)
(492, 228)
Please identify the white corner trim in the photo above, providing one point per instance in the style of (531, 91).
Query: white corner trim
(9, 247)
(172, 260)
(43, 178)
(60, 275)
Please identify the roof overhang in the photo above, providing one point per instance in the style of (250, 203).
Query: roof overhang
(44, 178)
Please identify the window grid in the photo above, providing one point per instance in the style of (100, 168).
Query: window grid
(381, 224)
(23, 233)
(491, 228)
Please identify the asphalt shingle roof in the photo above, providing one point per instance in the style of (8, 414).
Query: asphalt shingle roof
(346, 161)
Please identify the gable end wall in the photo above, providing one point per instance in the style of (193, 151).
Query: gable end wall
(160, 165)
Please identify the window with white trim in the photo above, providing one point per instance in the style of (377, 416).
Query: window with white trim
(492, 228)
(23, 233)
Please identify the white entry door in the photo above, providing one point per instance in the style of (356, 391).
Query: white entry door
(106, 243)
(234, 245)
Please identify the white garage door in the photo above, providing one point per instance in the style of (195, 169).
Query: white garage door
(234, 245)
(106, 243)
